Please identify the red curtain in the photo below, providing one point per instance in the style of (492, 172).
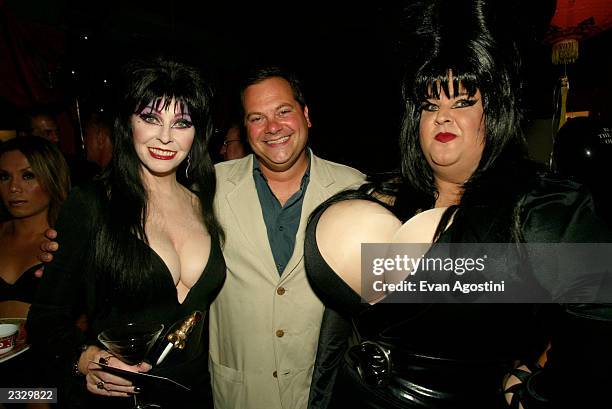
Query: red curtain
(29, 59)
(579, 19)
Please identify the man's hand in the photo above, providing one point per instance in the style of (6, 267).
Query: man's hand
(47, 247)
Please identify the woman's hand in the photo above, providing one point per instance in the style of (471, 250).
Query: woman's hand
(103, 383)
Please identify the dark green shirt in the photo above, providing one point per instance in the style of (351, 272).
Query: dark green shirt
(282, 222)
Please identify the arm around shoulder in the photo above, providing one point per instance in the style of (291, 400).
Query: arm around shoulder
(51, 320)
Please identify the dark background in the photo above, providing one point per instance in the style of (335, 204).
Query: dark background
(350, 56)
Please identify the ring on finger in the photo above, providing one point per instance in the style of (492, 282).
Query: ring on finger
(100, 385)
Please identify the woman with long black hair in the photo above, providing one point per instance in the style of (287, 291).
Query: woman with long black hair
(141, 244)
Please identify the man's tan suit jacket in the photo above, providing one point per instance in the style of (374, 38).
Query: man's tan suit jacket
(264, 326)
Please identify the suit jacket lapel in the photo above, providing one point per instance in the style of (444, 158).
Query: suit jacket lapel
(316, 193)
(244, 204)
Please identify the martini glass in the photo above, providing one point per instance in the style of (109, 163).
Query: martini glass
(131, 343)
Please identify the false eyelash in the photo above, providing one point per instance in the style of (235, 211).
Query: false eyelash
(186, 123)
(146, 116)
(468, 102)
(425, 105)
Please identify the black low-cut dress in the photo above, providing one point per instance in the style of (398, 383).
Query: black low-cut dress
(442, 355)
(71, 287)
(23, 289)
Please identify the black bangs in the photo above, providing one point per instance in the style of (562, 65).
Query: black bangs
(475, 62)
(157, 86)
(161, 103)
(432, 79)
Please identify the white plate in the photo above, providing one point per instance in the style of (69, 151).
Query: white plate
(21, 346)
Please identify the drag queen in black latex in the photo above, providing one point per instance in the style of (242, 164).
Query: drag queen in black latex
(141, 244)
(465, 179)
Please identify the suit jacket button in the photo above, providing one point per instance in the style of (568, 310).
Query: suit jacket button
(274, 374)
(280, 333)
(280, 291)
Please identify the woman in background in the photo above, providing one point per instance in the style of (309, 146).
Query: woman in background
(34, 181)
(142, 244)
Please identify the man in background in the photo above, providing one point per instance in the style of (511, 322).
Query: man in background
(43, 123)
(233, 146)
(97, 140)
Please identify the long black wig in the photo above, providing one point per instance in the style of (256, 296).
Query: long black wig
(468, 43)
(117, 256)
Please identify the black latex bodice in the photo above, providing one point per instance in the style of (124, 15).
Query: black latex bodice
(448, 355)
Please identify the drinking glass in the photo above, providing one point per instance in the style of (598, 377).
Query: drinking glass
(131, 343)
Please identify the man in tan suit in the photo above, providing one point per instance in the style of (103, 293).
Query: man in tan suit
(265, 323)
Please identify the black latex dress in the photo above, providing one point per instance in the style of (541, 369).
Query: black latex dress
(442, 355)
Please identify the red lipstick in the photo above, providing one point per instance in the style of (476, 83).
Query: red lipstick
(163, 153)
(445, 137)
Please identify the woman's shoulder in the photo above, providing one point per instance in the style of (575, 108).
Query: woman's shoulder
(526, 182)
(555, 192)
(354, 206)
(547, 182)
(370, 195)
(561, 210)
